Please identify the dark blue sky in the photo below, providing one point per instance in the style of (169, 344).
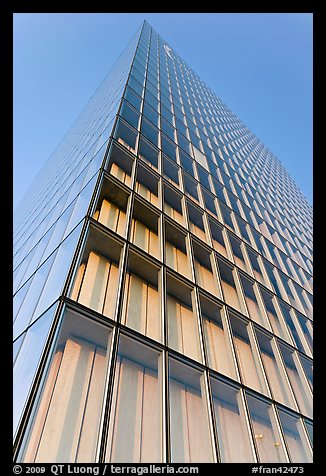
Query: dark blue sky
(260, 65)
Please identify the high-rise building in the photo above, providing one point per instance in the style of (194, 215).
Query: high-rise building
(163, 283)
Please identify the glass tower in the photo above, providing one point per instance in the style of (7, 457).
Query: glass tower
(163, 283)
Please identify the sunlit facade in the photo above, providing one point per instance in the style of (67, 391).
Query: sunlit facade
(163, 283)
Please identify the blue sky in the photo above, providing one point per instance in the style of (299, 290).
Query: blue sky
(259, 64)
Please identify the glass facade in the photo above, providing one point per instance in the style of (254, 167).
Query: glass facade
(164, 283)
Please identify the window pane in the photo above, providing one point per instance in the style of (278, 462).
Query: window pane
(96, 280)
(294, 438)
(148, 152)
(266, 435)
(230, 292)
(189, 430)
(249, 364)
(310, 430)
(126, 135)
(300, 388)
(141, 304)
(233, 436)
(219, 350)
(176, 255)
(277, 325)
(217, 237)
(27, 361)
(273, 369)
(135, 417)
(182, 321)
(172, 205)
(65, 426)
(251, 293)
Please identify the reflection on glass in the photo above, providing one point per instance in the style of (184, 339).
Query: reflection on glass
(299, 386)
(135, 417)
(294, 438)
(189, 428)
(126, 135)
(266, 435)
(28, 355)
(308, 369)
(66, 422)
(233, 435)
(310, 430)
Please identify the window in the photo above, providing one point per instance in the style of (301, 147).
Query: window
(187, 163)
(231, 294)
(26, 360)
(309, 428)
(273, 369)
(308, 369)
(112, 206)
(306, 327)
(257, 265)
(270, 306)
(190, 187)
(299, 386)
(209, 202)
(189, 428)
(248, 360)
(144, 229)
(237, 249)
(148, 153)
(150, 132)
(172, 205)
(196, 223)
(265, 431)
(294, 438)
(176, 254)
(169, 148)
(251, 296)
(130, 114)
(147, 185)
(150, 114)
(66, 423)
(170, 171)
(96, 280)
(203, 177)
(183, 333)
(135, 425)
(120, 164)
(292, 323)
(133, 98)
(227, 216)
(233, 434)
(125, 135)
(205, 277)
(217, 237)
(218, 343)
